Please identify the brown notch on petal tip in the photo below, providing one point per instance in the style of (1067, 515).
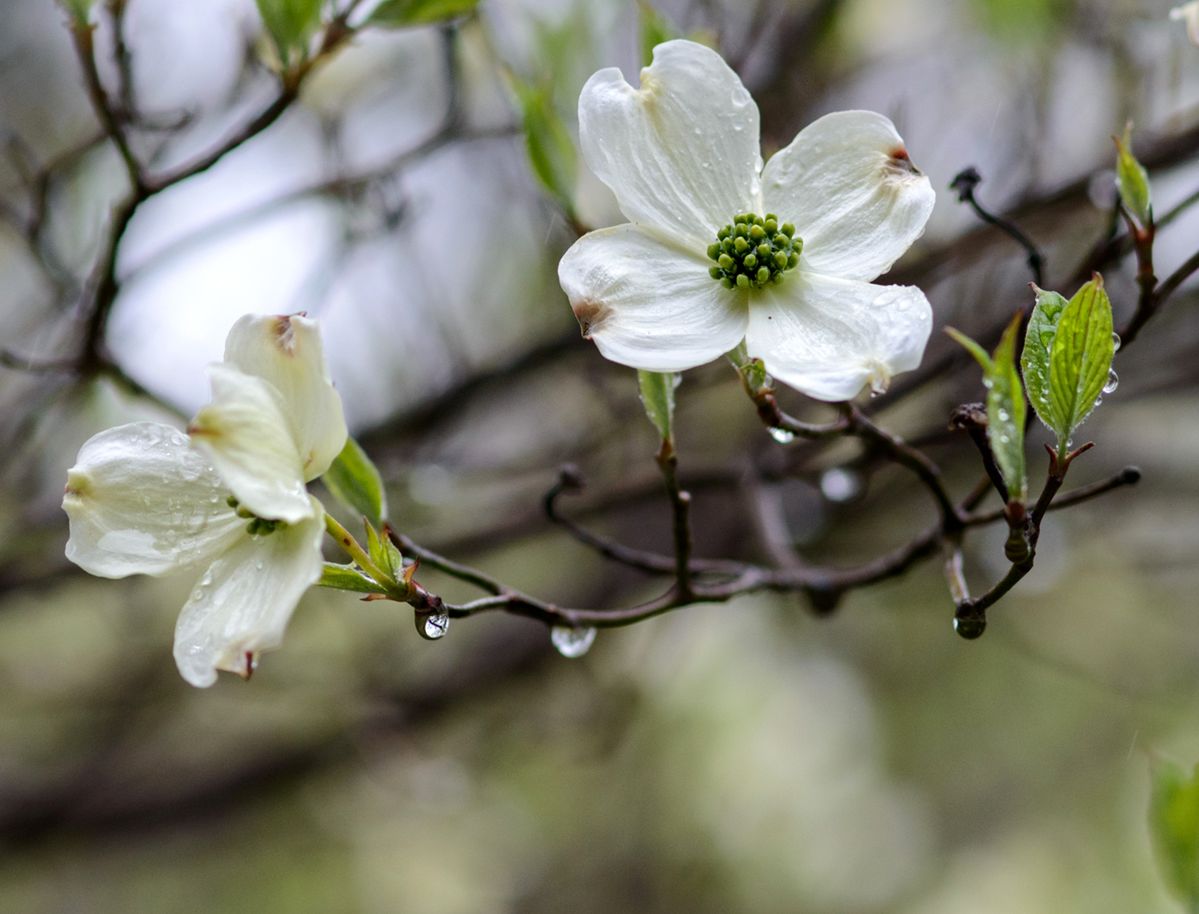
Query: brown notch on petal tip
(590, 314)
(285, 337)
(251, 664)
(900, 163)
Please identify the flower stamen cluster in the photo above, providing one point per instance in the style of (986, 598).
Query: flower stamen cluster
(754, 251)
(257, 526)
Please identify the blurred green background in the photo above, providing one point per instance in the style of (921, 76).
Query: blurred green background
(739, 757)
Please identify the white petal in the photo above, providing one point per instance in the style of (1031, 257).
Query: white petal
(829, 338)
(1190, 13)
(245, 433)
(286, 350)
(648, 304)
(855, 197)
(244, 600)
(142, 501)
(680, 153)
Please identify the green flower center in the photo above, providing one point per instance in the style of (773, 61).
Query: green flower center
(754, 251)
(257, 526)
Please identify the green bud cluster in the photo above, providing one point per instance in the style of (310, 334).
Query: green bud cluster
(257, 526)
(754, 251)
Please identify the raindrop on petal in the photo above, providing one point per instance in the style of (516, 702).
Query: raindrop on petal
(572, 642)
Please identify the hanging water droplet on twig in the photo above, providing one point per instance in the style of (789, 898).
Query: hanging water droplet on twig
(969, 627)
(570, 641)
(432, 626)
(1113, 381)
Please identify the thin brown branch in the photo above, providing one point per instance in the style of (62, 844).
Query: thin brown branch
(569, 480)
(904, 454)
(85, 50)
(1126, 477)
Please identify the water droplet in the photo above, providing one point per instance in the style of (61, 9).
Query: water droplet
(572, 642)
(781, 435)
(258, 565)
(1004, 416)
(1115, 342)
(432, 626)
(838, 484)
(1113, 381)
(969, 628)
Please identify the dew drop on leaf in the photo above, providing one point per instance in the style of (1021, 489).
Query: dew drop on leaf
(1113, 381)
(1115, 342)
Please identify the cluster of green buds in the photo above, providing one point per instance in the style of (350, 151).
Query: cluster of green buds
(257, 526)
(754, 251)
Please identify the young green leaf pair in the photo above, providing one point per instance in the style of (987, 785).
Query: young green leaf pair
(1066, 362)
(355, 481)
(292, 23)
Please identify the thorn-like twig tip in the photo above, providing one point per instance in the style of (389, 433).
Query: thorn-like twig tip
(964, 182)
(570, 477)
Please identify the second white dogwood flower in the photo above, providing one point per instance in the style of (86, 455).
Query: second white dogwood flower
(719, 249)
(228, 498)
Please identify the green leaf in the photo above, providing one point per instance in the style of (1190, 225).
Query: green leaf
(1174, 827)
(657, 396)
(1132, 181)
(398, 14)
(355, 481)
(655, 29)
(1080, 360)
(290, 23)
(1034, 360)
(79, 10)
(347, 577)
(395, 558)
(980, 354)
(1006, 409)
(548, 142)
(376, 550)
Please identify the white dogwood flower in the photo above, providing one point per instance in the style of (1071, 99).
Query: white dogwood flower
(228, 498)
(1189, 13)
(719, 249)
